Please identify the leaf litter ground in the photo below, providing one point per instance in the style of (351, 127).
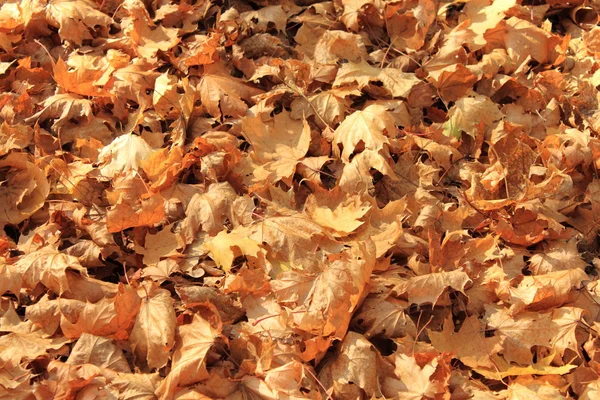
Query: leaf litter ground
(352, 199)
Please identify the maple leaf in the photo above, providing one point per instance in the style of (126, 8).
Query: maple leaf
(453, 82)
(291, 238)
(14, 137)
(193, 341)
(385, 317)
(370, 199)
(396, 82)
(124, 155)
(337, 211)
(201, 50)
(259, 20)
(222, 247)
(428, 288)
(26, 347)
(329, 107)
(416, 382)
(555, 329)
(207, 211)
(287, 379)
(47, 266)
(75, 19)
(80, 76)
(469, 344)
(461, 117)
(356, 174)
(23, 188)
(277, 145)
(385, 226)
(112, 317)
(588, 218)
(334, 45)
(329, 296)
(63, 107)
(545, 291)
(523, 39)
(143, 211)
(560, 256)
(407, 24)
(153, 333)
(222, 94)
(146, 37)
(355, 364)
(371, 126)
(99, 351)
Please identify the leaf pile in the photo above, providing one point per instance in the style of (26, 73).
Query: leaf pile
(349, 199)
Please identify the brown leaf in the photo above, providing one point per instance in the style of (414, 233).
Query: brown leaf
(193, 341)
(222, 94)
(428, 288)
(23, 188)
(75, 19)
(371, 126)
(278, 145)
(153, 333)
(354, 369)
(49, 267)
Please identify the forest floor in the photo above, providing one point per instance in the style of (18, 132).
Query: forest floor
(351, 199)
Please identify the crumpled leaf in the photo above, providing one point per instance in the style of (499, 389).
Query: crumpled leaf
(63, 107)
(75, 19)
(49, 267)
(428, 288)
(396, 82)
(23, 188)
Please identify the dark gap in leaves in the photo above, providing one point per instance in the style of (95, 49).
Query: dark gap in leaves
(12, 232)
(238, 262)
(506, 100)
(555, 20)
(244, 145)
(327, 178)
(591, 270)
(236, 73)
(439, 104)
(376, 176)
(277, 110)
(385, 346)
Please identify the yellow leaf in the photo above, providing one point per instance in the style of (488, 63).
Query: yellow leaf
(226, 246)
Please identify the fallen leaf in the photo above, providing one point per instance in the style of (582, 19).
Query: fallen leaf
(23, 188)
(153, 334)
(193, 341)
